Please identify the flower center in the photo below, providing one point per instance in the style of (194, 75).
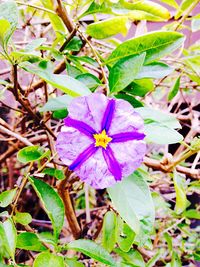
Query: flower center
(102, 139)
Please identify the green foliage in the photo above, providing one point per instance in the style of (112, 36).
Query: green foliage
(7, 197)
(124, 72)
(132, 199)
(52, 203)
(156, 45)
(109, 231)
(23, 218)
(30, 154)
(55, 173)
(65, 83)
(144, 220)
(108, 28)
(47, 259)
(29, 241)
(92, 250)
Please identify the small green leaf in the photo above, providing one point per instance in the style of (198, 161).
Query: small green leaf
(168, 239)
(185, 4)
(155, 258)
(45, 259)
(132, 199)
(173, 92)
(93, 250)
(192, 214)
(97, 8)
(8, 237)
(181, 200)
(74, 44)
(23, 218)
(131, 259)
(124, 72)
(30, 154)
(60, 114)
(29, 241)
(176, 262)
(91, 81)
(52, 203)
(33, 45)
(7, 197)
(195, 23)
(108, 28)
(140, 87)
(59, 174)
(57, 103)
(155, 44)
(109, 231)
(125, 235)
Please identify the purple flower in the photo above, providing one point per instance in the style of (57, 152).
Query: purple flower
(102, 140)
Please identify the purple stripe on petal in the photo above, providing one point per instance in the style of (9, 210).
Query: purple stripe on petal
(108, 115)
(123, 137)
(82, 157)
(80, 126)
(112, 163)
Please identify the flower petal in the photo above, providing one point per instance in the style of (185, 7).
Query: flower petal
(89, 109)
(80, 126)
(95, 172)
(125, 119)
(129, 154)
(71, 143)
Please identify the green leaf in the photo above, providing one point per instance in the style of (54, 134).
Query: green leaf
(155, 70)
(91, 81)
(124, 72)
(161, 134)
(140, 87)
(56, 21)
(132, 100)
(8, 21)
(192, 214)
(108, 28)
(73, 262)
(23, 218)
(65, 83)
(52, 203)
(8, 237)
(132, 199)
(181, 200)
(132, 258)
(125, 236)
(5, 30)
(74, 44)
(30, 154)
(142, 10)
(45, 259)
(168, 239)
(57, 103)
(156, 115)
(58, 174)
(92, 250)
(109, 231)
(173, 92)
(7, 197)
(155, 44)
(97, 8)
(176, 262)
(29, 241)
(60, 114)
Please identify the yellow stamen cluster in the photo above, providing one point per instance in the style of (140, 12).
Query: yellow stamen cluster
(102, 139)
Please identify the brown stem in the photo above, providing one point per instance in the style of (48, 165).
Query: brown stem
(69, 210)
(62, 13)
